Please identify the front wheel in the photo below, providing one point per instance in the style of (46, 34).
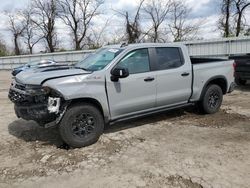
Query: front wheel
(211, 100)
(81, 125)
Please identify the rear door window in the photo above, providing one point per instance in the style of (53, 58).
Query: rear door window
(168, 58)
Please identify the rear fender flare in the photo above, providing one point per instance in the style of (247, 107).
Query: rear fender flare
(210, 81)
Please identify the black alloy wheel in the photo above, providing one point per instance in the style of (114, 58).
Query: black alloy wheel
(81, 125)
(211, 99)
(214, 99)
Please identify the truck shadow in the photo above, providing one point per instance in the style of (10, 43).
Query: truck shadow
(30, 131)
(152, 119)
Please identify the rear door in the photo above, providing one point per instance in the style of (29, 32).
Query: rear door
(174, 77)
(137, 92)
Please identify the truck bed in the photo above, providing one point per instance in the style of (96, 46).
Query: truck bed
(204, 68)
(197, 60)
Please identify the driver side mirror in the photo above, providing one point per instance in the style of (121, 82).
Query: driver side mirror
(117, 73)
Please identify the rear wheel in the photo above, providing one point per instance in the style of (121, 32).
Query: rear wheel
(239, 81)
(211, 100)
(81, 125)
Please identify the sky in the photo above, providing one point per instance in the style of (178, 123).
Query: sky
(207, 10)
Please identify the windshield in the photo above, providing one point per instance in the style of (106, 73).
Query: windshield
(99, 59)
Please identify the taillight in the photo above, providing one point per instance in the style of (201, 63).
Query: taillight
(234, 66)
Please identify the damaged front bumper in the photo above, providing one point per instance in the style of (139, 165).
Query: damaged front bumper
(36, 112)
(39, 105)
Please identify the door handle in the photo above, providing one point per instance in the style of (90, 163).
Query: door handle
(185, 74)
(149, 79)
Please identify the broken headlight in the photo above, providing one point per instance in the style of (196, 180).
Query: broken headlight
(33, 89)
(46, 89)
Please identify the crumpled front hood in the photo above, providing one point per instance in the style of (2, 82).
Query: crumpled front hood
(38, 75)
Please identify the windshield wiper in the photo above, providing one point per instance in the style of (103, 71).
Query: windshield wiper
(82, 68)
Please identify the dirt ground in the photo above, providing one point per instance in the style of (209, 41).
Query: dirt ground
(176, 149)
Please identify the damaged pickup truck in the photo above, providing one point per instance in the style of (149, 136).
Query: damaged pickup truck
(117, 83)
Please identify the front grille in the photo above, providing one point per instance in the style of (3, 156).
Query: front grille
(18, 98)
(20, 86)
(26, 99)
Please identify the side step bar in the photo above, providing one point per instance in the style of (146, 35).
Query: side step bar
(135, 116)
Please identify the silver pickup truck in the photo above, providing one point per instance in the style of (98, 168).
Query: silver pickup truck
(117, 83)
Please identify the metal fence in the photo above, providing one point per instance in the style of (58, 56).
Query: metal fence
(203, 48)
(10, 62)
(220, 48)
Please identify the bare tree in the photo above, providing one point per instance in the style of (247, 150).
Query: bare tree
(30, 35)
(46, 13)
(16, 28)
(132, 25)
(247, 32)
(240, 6)
(78, 16)
(133, 29)
(96, 38)
(116, 36)
(157, 11)
(225, 23)
(180, 27)
(3, 49)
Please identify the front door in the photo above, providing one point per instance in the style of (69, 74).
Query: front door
(136, 92)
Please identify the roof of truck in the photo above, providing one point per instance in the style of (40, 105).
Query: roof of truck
(124, 46)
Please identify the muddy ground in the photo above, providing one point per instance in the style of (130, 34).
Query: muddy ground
(176, 149)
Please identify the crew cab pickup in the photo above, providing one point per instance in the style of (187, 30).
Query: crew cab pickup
(117, 83)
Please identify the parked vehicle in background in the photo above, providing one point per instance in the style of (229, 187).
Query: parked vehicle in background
(118, 83)
(34, 64)
(242, 69)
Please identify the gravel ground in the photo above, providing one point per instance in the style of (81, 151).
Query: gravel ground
(176, 149)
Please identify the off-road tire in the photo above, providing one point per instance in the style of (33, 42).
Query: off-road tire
(74, 127)
(211, 99)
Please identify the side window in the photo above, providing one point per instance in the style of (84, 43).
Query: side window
(168, 58)
(136, 61)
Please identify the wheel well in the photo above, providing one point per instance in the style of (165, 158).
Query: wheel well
(220, 82)
(92, 101)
